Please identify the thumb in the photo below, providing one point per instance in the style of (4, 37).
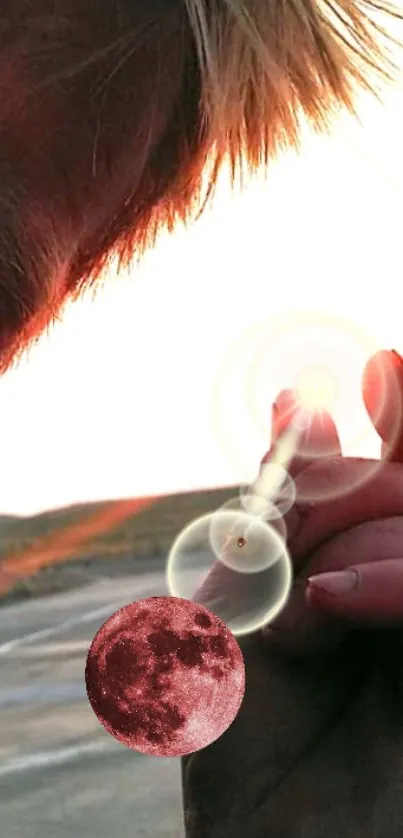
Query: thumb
(370, 592)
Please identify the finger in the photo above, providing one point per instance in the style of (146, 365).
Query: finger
(315, 620)
(378, 495)
(382, 391)
(371, 593)
(320, 438)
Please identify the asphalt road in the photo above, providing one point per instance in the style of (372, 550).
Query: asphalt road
(61, 774)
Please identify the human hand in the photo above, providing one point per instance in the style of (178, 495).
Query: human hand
(288, 766)
(361, 535)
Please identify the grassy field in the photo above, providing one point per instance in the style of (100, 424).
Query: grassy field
(67, 547)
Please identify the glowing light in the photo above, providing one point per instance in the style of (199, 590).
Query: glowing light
(285, 353)
(317, 388)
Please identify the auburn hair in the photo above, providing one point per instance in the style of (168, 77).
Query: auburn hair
(112, 112)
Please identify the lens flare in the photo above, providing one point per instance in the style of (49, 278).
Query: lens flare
(244, 601)
(317, 388)
(243, 542)
(320, 356)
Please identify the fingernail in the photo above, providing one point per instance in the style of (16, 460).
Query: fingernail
(335, 583)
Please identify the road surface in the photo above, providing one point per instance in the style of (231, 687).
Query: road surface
(61, 774)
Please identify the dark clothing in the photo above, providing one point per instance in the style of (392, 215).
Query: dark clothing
(315, 752)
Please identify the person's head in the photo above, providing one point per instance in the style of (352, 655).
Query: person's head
(111, 110)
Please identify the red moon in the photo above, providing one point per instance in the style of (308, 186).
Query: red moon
(165, 676)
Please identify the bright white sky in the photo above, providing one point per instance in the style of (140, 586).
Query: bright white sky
(146, 390)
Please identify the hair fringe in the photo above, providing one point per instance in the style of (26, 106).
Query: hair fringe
(267, 63)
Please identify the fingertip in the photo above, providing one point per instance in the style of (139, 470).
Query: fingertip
(382, 392)
(317, 438)
(368, 593)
